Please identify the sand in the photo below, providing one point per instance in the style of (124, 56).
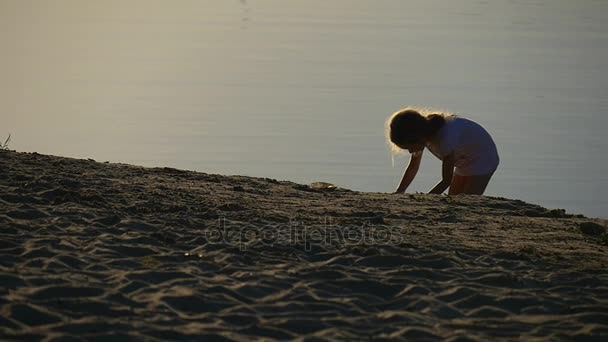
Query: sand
(99, 250)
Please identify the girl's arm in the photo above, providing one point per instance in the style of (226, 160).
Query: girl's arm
(410, 172)
(447, 172)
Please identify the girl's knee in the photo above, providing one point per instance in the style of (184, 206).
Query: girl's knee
(477, 185)
(458, 185)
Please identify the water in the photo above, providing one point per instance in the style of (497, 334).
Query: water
(300, 90)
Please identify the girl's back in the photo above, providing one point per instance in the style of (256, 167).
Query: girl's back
(474, 149)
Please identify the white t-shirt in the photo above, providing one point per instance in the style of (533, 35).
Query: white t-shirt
(474, 150)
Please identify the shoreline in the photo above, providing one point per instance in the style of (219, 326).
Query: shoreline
(100, 249)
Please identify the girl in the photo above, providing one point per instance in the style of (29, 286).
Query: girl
(467, 151)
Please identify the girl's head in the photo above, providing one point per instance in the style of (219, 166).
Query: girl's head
(409, 129)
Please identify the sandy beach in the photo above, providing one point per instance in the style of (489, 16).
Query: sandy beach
(100, 250)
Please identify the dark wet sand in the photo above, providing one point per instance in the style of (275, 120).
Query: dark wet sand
(97, 250)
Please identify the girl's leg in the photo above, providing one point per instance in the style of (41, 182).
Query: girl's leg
(457, 185)
(476, 185)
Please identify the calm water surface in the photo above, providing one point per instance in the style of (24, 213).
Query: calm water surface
(300, 90)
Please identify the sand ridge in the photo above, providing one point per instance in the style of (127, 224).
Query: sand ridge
(92, 249)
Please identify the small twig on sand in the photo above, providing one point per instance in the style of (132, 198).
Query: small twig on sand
(4, 146)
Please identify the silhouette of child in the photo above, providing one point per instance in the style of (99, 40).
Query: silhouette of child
(467, 151)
